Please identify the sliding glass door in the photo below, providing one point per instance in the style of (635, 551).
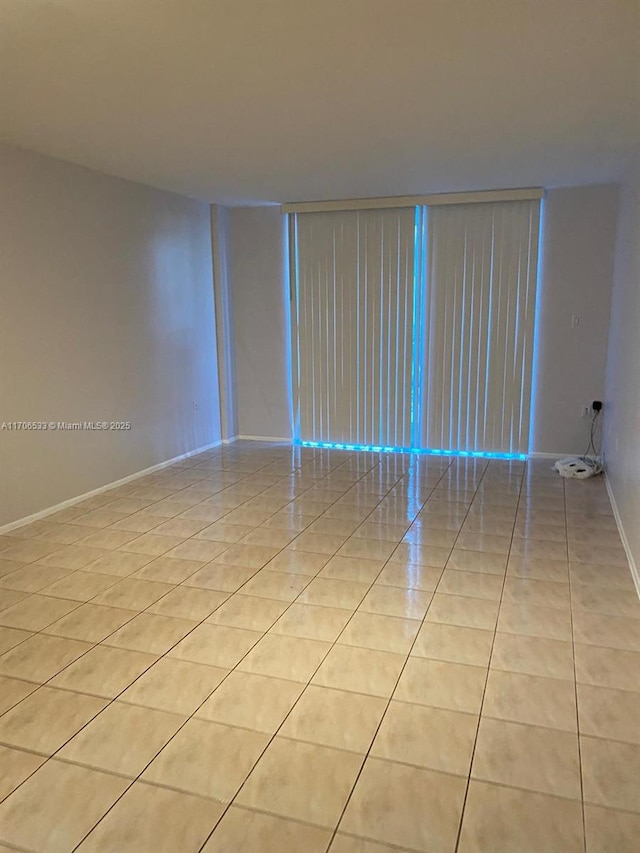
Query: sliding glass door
(413, 326)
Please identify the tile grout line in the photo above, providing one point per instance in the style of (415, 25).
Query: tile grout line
(575, 676)
(486, 682)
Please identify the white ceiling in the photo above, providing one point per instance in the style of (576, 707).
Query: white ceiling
(242, 101)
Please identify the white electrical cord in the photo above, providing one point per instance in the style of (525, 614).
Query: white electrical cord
(583, 466)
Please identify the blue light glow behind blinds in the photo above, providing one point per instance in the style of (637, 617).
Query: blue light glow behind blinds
(481, 269)
(354, 312)
(414, 328)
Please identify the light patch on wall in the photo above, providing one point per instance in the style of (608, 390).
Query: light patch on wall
(172, 277)
(536, 332)
(288, 332)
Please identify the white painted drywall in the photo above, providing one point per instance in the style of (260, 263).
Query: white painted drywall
(257, 275)
(622, 397)
(106, 314)
(224, 322)
(578, 238)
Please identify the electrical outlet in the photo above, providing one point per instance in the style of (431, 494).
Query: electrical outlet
(586, 411)
(195, 406)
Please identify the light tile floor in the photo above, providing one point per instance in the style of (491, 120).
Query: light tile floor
(268, 649)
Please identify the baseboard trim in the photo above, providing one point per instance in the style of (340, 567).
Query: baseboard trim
(625, 542)
(537, 455)
(36, 516)
(270, 438)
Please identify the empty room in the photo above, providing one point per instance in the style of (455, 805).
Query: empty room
(320, 426)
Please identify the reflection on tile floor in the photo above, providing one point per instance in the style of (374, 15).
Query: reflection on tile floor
(263, 649)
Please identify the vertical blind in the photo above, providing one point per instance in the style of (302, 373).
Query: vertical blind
(413, 327)
(480, 282)
(354, 308)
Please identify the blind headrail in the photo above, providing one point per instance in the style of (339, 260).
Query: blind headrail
(480, 196)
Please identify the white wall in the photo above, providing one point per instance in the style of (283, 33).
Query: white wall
(622, 397)
(224, 322)
(578, 238)
(106, 313)
(257, 273)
